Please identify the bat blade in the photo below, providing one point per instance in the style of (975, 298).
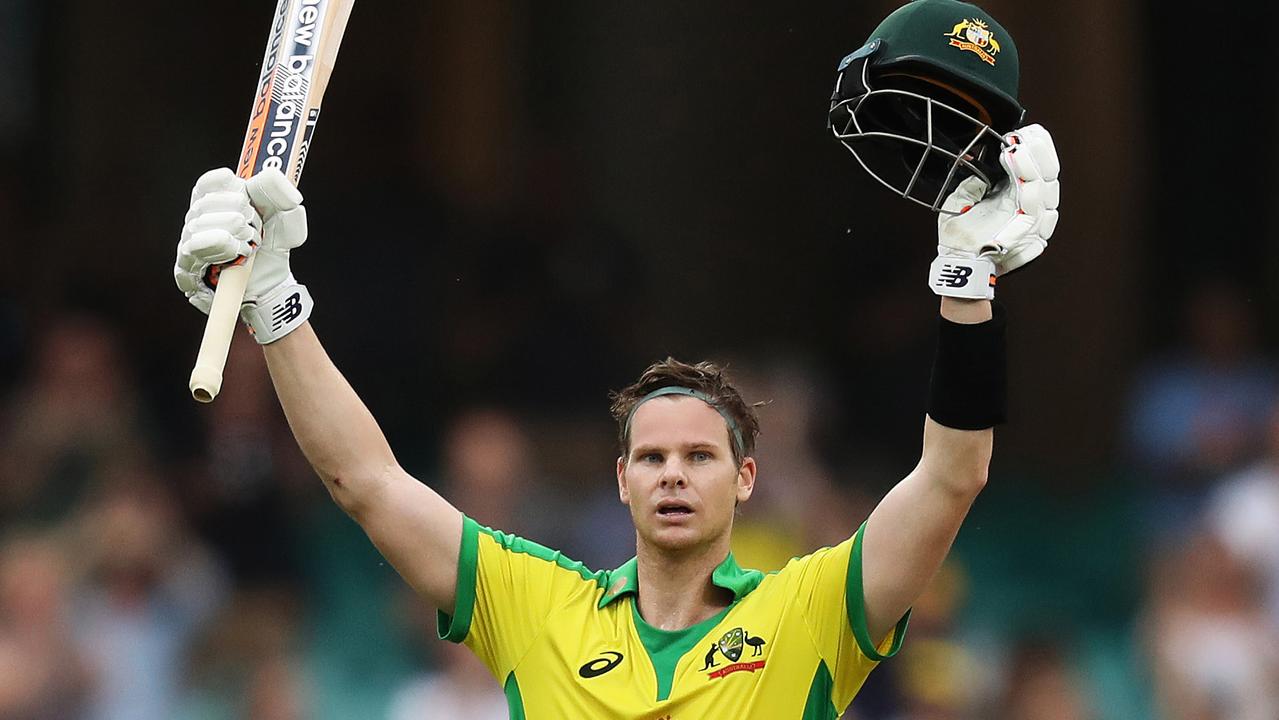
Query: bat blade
(300, 53)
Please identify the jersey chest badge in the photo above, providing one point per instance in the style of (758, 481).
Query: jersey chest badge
(730, 647)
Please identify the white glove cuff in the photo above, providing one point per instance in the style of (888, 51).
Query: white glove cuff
(972, 278)
(277, 313)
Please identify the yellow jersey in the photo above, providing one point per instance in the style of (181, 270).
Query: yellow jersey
(567, 643)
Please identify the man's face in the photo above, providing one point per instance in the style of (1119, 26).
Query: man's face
(679, 478)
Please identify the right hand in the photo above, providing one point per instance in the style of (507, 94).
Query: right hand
(231, 219)
(985, 235)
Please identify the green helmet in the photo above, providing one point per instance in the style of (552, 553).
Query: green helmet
(924, 102)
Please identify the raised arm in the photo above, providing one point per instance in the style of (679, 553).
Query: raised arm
(417, 531)
(980, 236)
(414, 528)
(909, 534)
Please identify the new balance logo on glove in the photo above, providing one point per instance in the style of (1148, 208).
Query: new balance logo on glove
(961, 277)
(279, 312)
(954, 275)
(287, 312)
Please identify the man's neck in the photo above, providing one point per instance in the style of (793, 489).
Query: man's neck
(675, 590)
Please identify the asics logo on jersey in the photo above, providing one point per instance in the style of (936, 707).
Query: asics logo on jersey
(286, 312)
(954, 275)
(600, 665)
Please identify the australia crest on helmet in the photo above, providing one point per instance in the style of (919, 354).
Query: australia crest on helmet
(974, 35)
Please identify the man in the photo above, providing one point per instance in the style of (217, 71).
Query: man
(681, 631)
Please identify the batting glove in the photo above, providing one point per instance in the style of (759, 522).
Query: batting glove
(231, 219)
(981, 237)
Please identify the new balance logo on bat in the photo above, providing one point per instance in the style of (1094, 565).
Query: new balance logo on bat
(954, 275)
(288, 311)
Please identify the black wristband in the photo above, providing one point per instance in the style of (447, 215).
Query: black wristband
(969, 387)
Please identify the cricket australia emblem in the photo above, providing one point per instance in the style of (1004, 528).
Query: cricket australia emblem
(730, 647)
(973, 35)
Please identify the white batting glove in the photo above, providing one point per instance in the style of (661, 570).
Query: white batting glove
(981, 237)
(231, 219)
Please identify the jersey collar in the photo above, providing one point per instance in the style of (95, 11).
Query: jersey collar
(728, 575)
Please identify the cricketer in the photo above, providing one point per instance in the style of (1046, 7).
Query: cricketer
(681, 631)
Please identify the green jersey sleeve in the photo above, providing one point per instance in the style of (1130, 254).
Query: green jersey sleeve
(828, 588)
(507, 588)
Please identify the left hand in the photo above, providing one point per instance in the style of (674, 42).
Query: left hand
(980, 237)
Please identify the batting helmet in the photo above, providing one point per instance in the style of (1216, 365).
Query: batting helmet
(924, 102)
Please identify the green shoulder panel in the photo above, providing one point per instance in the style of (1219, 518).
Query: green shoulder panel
(514, 701)
(819, 705)
(517, 544)
(456, 626)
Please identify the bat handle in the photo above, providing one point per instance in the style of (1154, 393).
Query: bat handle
(206, 376)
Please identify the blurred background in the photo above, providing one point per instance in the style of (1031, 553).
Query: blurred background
(514, 208)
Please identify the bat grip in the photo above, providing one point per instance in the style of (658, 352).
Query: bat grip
(206, 376)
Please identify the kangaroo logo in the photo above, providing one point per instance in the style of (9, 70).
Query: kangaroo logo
(730, 646)
(973, 35)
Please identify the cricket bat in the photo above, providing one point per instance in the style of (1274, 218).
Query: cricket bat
(300, 53)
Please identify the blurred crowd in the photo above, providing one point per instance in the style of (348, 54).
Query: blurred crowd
(142, 578)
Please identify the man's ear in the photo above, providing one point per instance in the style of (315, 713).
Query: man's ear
(746, 479)
(623, 491)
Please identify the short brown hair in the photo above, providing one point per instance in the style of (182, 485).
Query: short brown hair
(707, 378)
